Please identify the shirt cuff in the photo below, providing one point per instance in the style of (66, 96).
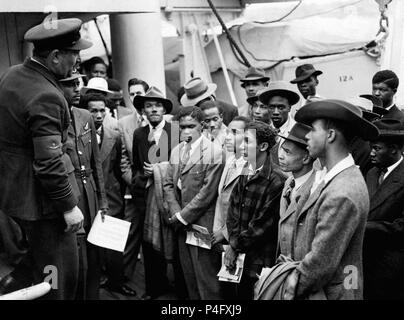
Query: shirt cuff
(178, 215)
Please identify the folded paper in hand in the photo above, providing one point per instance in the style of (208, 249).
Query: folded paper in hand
(112, 233)
(228, 275)
(199, 236)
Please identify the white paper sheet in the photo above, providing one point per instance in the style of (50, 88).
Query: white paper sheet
(111, 234)
(234, 275)
(199, 236)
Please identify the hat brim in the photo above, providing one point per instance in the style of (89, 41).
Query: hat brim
(295, 140)
(306, 76)
(109, 94)
(251, 100)
(244, 80)
(81, 44)
(319, 110)
(139, 101)
(292, 97)
(73, 77)
(186, 102)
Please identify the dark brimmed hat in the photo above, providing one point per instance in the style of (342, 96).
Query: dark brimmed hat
(279, 88)
(338, 110)
(366, 105)
(58, 34)
(252, 99)
(153, 94)
(196, 90)
(377, 104)
(298, 134)
(390, 128)
(304, 72)
(254, 74)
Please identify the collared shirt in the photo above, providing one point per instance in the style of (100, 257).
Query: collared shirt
(252, 172)
(392, 167)
(157, 131)
(99, 135)
(390, 106)
(299, 182)
(217, 138)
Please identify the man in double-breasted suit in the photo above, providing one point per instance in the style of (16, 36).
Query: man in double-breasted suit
(190, 190)
(294, 158)
(37, 184)
(330, 226)
(383, 246)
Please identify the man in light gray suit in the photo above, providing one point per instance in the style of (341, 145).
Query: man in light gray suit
(329, 229)
(190, 190)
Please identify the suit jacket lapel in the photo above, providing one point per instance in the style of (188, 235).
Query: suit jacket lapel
(393, 182)
(312, 198)
(197, 155)
(106, 145)
(236, 173)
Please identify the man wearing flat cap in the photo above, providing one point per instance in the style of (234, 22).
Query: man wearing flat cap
(383, 247)
(330, 226)
(254, 80)
(34, 118)
(307, 82)
(384, 87)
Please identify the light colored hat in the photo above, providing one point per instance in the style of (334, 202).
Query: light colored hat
(98, 84)
(196, 90)
(279, 88)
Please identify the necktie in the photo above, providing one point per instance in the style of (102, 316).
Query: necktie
(381, 176)
(185, 156)
(151, 137)
(99, 135)
(288, 192)
(230, 172)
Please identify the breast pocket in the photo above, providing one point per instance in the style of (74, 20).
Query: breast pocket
(86, 137)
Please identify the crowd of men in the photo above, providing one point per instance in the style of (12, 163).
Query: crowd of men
(311, 190)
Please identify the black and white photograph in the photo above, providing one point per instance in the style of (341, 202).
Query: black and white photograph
(202, 154)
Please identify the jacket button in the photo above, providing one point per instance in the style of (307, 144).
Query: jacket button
(80, 153)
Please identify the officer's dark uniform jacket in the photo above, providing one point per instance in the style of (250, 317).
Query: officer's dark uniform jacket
(83, 151)
(36, 175)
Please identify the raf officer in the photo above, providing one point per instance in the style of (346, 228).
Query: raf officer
(33, 161)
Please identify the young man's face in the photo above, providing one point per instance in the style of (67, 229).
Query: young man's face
(381, 154)
(279, 109)
(97, 110)
(136, 90)
(213, 120)
(260, 112)
(71, 90)
(250, 146)
(154, 111)
(291, 156)
(234, 136)
(190, 129)
(383, 92)
(98, 70)
(307, 87)
(317, 139)
(252, 87)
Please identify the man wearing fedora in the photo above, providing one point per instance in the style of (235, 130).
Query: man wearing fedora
(279, 97)
(197, 91)
(83, 151)
(32, 155)
(151, 144)
(307, 82)
(384, 87)
(116, 104)
(330, 226)
(254, 80)
(295, 158)
(383, 248)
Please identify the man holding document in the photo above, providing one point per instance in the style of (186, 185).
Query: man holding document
(190, 190)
